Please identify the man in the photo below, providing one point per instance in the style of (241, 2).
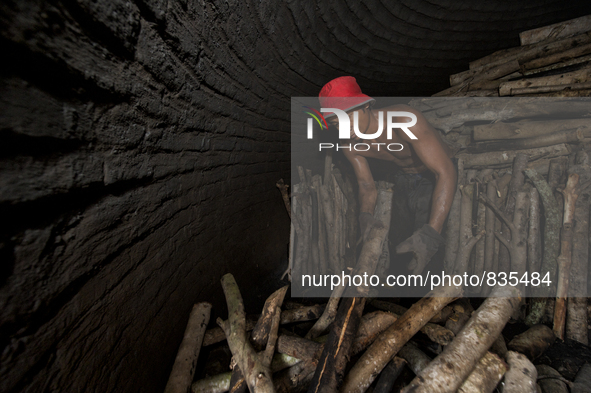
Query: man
(428, 176)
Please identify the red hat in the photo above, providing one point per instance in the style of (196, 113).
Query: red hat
(342, 93)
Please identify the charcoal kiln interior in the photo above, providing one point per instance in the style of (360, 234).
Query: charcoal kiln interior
(140, 146)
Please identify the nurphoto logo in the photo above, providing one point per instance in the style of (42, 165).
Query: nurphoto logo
(345, 128)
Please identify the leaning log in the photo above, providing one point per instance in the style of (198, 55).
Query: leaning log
(551, 245)
(534, 247)
(448, 371)
(565, 258)
(335, 354)
(257, 375)
(389, 343)
(576, 322)
(183, 369)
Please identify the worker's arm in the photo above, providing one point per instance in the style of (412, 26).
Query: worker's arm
(429, 148)
(431, 151)
(367, 188)
(367, 192)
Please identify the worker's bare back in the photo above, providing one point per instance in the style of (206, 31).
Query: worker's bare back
(399, 149)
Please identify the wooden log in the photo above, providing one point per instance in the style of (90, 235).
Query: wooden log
(533, 342)
(338, 347)
(567, 65)
(399, 310)
(295, 379)
(417, 360)
(389, 375)
(565, 136)
(257, 374)
(298, 347)
(542, 49)
(185, 362)
(576, 322)
(284, 194)
(534, 247)
(488, 74)
(436, 333)
(447, 372)
(506, 264)
(503, 159)
(302, 314)
(370, 327)
(524, 129)
(557, 57)
(582, 383)
(550, 246)
(489, 239)
(550, 380)
(329, 314)
(216, 384)
(556, 30)
(320, 225)
(479, 89)
(498, 57)
(264, 325)
(462, 312)
(559, 90)
(570, 195)
(499, 347)
(389, 343)
(450, 117)
(521, 376)
(486, 375)
(479, 252)
(327, 198)
(452, 232)
(564, 93)
(335, 354)
(461, 264)
(569, 78)
(339, 221)
(263, 333)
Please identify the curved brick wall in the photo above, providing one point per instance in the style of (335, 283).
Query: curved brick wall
(139, 148)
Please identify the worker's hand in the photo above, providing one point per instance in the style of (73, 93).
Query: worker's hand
(424, 243)
(366, 222)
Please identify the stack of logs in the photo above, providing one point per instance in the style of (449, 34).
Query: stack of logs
(323, 222)
(348, 350)
(552, 61)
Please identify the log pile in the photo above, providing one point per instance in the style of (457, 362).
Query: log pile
(323, 222)
(521, 205)
(551, 61)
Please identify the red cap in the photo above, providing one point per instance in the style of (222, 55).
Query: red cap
(342, 93)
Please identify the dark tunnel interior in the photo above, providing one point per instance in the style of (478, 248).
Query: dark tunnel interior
(140, 145)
